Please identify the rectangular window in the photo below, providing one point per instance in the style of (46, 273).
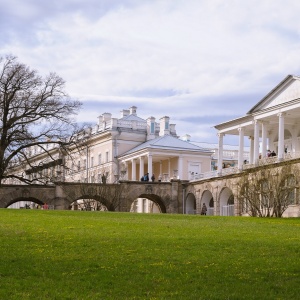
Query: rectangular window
(99, 159)
(78, 166)
(106, 156)
(92, 162)
(84, 164)
(152, 128)
(167, 125)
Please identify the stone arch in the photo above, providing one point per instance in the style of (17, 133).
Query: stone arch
(95, 202)
(208, 199)
(156, 199)
(158, 193)
(190, 204)
(226, 200)
(27, 199)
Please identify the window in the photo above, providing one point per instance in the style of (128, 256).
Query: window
(106, 156)
(99, 159)
(152, 127)
(167, 125)
(78, 166)
(84, 164)
(92, 162)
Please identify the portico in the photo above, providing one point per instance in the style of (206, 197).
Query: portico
(166, 157)
(273, 123)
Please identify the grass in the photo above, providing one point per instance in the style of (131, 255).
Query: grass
(93, 255)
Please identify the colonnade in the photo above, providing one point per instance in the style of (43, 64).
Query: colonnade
(259, 141)
(147, 164)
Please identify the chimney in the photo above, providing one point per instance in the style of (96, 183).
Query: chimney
(150, 128)
(125, 113)
(164, 126)
(106, 117)
(132, 110)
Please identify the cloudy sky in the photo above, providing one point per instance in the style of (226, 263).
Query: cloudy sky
(200, 62)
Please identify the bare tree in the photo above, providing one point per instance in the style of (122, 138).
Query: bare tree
(34, 112)
(268, 190)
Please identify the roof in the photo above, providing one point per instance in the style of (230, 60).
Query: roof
(168, 142)
(132, 118)
(282, 83)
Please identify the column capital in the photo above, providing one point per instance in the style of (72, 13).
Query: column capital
(255, 121)
(240, 129)
(220, 134)
(281, 114)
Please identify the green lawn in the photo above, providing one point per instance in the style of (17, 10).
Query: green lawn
(102, 255)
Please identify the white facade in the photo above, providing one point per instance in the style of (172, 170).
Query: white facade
(122, 148)
(272, 124)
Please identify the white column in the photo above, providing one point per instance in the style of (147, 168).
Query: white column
(220, 153)
(140, 206)
(241, 148)
(142, 172)
(281, 136)
(264, 140)
(251, 150)
(160, 168)
(133, 170)
(150, 165)
(294, 140)
(180, 168)
(256, 142)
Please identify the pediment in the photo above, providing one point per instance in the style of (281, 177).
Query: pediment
(287, 90)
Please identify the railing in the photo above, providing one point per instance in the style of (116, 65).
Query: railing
(228, 210)
(234, 170)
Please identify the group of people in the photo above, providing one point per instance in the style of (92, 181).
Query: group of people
(146, 177)
(270, 154)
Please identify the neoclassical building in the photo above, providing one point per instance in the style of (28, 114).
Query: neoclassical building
(272, 124)
(124, 148)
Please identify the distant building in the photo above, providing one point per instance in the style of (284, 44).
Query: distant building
(124, 148)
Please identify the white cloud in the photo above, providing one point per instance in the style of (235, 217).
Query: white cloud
(183, 58)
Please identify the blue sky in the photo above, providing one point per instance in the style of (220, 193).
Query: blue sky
(200, 62)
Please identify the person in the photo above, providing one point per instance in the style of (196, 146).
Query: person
(142, 178)
(269, 153)
(204, 209)
(146, 177)
(273, 153)
(45, 206)
(153, 178)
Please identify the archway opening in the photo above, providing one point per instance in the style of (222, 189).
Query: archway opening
(28, 203)
(208, 200)
(88, 203)
(148, 203)
(226, 202)
(190, 204)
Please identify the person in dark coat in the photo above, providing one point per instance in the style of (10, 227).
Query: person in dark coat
(153, 178)
(204, 209)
